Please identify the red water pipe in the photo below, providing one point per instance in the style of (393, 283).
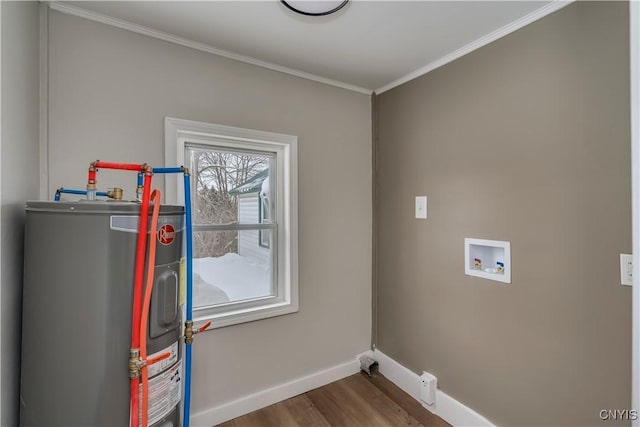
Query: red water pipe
(122, 166)
(141, 248)
(92, 174)
(91, 181)
(93, 169)
(138, 280)
(141, 251)
(155, 197)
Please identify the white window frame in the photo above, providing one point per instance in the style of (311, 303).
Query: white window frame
(178, 133)
(262, 212)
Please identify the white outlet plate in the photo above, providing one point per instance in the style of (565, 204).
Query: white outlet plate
(626, 269)
(428, 386)
(421, 207)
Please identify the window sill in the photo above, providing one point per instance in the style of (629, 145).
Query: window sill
(243, 315)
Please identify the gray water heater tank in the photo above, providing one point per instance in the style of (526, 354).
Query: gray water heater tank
(76, 319)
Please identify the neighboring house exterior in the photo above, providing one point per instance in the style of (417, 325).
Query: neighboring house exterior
(253, 208)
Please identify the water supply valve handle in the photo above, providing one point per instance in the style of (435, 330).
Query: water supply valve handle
(204, 327)
(159, 358)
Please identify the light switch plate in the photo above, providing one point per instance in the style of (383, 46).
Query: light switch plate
(421, 207)
(626, 269)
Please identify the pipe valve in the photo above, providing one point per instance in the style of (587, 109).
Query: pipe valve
(92, 188)
(134, 363)
(188, 332)
(115, 193)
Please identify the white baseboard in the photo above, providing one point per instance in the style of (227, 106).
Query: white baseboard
(446, 407)
(264, 398)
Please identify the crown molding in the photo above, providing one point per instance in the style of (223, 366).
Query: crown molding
(140, 29)
(468, 48)
(547, 9)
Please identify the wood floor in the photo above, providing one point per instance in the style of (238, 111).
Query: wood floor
(357, 400)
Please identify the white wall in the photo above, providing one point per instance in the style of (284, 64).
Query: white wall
(19, 177)
(110, 90)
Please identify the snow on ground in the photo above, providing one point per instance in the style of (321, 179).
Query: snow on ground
(231, 277)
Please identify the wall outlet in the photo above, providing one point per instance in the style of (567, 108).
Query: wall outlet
(428, 386)
(626, 269)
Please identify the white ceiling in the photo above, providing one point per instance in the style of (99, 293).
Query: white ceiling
(368, 44)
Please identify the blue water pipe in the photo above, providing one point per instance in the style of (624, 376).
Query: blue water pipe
(187, 206)
(61, 191)
(189, 270)
(169, 170)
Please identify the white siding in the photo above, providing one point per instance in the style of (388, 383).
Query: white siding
(248, 240)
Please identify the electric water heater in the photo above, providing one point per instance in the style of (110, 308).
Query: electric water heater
(76, 321)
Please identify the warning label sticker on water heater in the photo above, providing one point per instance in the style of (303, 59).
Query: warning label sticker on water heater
(160, 366)
(164, 393)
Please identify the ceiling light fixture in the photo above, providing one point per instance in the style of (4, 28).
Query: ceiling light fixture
(314, 8)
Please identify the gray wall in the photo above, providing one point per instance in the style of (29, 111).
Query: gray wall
(110, 90)
(19, 169)
(525, 140)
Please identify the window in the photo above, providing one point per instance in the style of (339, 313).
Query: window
(244, 209)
